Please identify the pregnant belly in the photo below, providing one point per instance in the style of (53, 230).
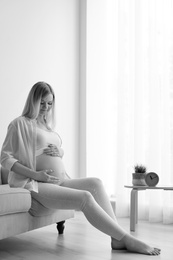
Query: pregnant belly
(46, 162)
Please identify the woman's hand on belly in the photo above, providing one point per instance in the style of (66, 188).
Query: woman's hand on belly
(53, 150)
(50, 162)
(45, 176)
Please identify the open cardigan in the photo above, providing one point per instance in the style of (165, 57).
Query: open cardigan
(20, 145)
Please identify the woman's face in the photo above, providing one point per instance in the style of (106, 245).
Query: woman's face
(46, 104)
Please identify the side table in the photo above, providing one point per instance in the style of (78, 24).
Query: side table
(134, 201)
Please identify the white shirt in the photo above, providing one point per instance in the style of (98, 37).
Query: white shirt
(20, 145)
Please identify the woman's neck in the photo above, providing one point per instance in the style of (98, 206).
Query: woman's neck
(42, 123)
(41, 119)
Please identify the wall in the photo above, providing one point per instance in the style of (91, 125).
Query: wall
(39, 41)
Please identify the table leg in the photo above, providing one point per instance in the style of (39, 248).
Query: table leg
(136, 200)
(133, 209)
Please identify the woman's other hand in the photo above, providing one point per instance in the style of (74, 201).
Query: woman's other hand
(53, 150)
(45, 176)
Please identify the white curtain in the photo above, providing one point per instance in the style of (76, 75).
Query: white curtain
(130, 99)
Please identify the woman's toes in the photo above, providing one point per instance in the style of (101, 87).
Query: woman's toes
(155, 251)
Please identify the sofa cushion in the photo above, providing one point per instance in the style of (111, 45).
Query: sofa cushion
(14, 200)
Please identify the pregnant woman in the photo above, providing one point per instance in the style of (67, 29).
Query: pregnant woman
(33, 155)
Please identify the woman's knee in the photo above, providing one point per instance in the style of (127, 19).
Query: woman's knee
(96, 182)
(86, 198)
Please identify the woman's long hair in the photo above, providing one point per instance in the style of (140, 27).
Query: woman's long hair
(32, 105)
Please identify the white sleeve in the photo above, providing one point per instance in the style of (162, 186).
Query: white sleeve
(9, 148)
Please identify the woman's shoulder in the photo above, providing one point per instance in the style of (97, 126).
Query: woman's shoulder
(21, 120)
(18, 120)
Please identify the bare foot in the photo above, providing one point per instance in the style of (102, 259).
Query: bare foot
(132, 244)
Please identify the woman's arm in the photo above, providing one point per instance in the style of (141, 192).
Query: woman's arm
(9, 147)
(10, 162)
(41, 176)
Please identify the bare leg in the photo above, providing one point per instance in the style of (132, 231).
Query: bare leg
(96, 188)
(58, 197)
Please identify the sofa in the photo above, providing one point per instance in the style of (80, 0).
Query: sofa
(20, 213)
